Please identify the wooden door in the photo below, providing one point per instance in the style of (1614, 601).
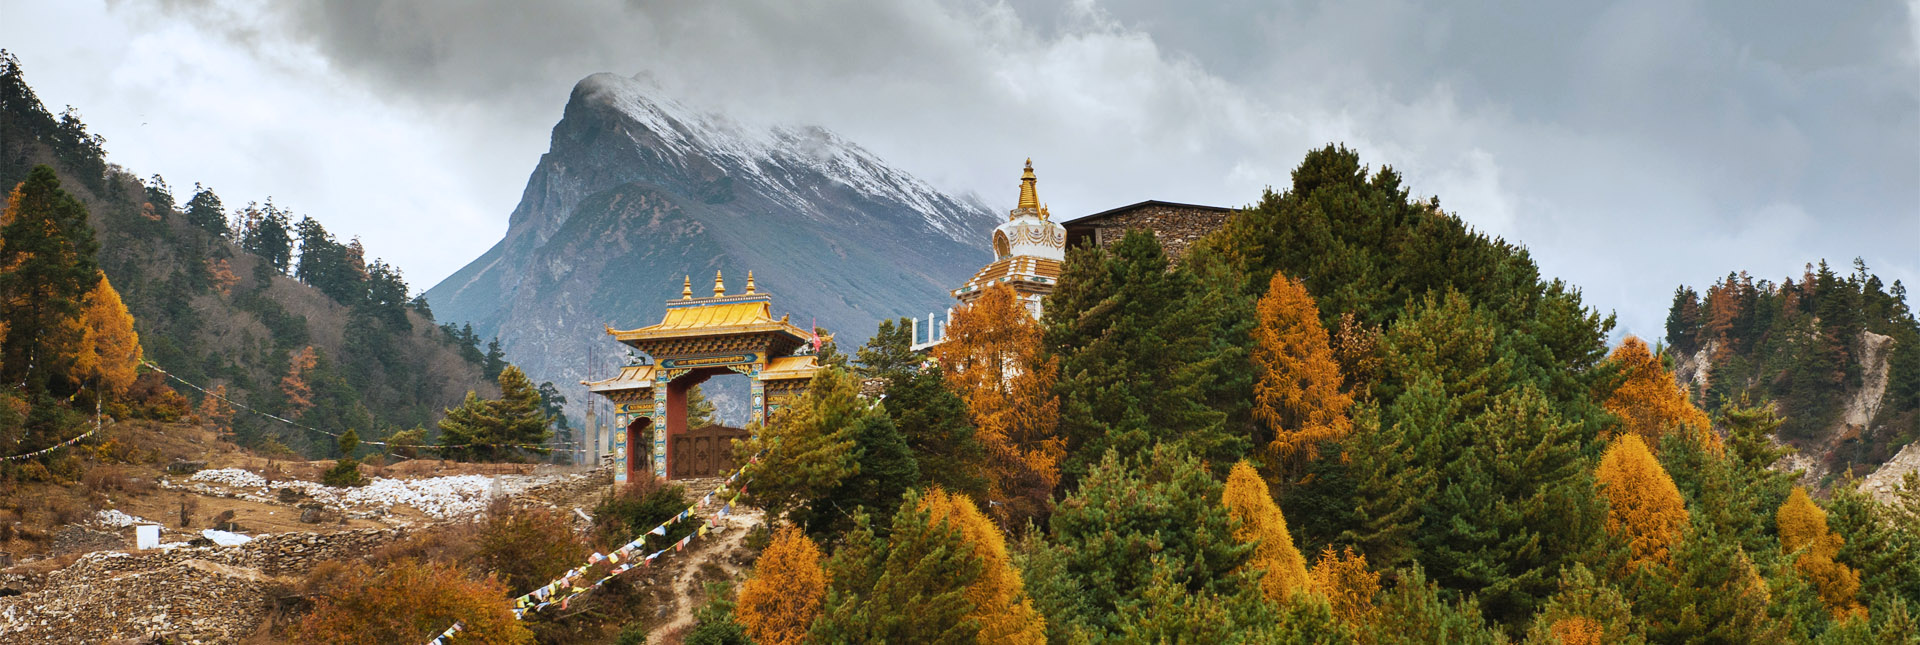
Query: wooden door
(702, 452)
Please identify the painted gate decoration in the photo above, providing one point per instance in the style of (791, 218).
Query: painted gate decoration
(697, 339)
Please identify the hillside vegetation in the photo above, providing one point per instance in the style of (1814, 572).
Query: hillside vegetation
(1839, 356)
(276, 314)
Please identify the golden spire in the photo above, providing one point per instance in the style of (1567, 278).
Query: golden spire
(719, 286)
(1028, 197)
(686, 291)
(750, 281)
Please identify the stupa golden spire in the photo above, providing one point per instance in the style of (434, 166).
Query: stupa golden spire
(1029, 198)
(750, 288)
(719, 286)
(686, 290)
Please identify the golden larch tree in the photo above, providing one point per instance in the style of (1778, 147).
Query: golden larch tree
(1000, 603)
(294, 384)
(215, 412)
(1803, 529)
(1651, 402)
(1576, 630)
(1643, 505)
(109, 350)
(220, 275)
(779, 603)
(993, 360)
(1261, 522)
(1343, 578)
(1298, 394)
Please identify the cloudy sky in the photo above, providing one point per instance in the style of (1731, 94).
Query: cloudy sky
(1632, 146)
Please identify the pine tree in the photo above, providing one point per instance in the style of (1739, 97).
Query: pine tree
(1804, 534)
(908, 587)
(926, 413)
(1413, 612)
(699, 409)
(109, 351)
(204, 210)
(1298, 395)
(993, 360)
(780, 602)
(1643, 505)
(884, 468)
(1650, 402)
(47, 267)
(1000, 605)
(1148, 353)
(1097, 559)
(1260, 523)
(498, 429)
(809, 449)
(1586, 610)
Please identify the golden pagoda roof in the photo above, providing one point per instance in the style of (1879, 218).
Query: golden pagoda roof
(688, 317)
(789, 367)
(630, 377)
(1017, 268)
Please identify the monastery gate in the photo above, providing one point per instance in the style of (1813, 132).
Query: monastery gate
(698, 339)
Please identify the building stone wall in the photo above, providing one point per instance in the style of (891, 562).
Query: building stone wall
(1177, 227)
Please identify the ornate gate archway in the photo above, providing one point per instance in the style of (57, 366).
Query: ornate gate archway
(697, 339)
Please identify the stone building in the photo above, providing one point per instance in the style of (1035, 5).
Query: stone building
(1177, 226)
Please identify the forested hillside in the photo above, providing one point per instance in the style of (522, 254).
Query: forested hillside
(250, 300)
(1838, 355)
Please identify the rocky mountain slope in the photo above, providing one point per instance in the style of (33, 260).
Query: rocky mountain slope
(638, 191)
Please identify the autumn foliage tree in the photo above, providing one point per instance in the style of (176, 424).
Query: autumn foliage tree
(1345, 581)
(993, 359)
(215, 412)
(1000, 604)
(294, 384)
(1261, 523)
(1644, 506)
(108, 355)
(1298, 395)
(408, 601)
(1650, 402)
(1803, 531)
(780, 602)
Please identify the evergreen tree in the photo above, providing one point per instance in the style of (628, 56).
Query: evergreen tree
(1000, 603)
(1586, 610)
(1099, 554)
(1413, 612)
(699, 409)
(47, 268)
(1879, 541)
(780, 602)
(908, 587)
(929, 417)
(1142, 348)
(884, 468)
(1260, 523)
(204, 210)
(498, 429)
(809, 449)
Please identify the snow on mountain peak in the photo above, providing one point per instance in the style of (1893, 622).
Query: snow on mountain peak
(775, 157)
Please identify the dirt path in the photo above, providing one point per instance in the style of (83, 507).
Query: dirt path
(724, 550)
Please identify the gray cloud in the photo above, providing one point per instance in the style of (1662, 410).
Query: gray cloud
(1631, 145)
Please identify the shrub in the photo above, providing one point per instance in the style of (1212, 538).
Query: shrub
(639, 506)
(344, 473)
(527, 547)
(409, 602)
